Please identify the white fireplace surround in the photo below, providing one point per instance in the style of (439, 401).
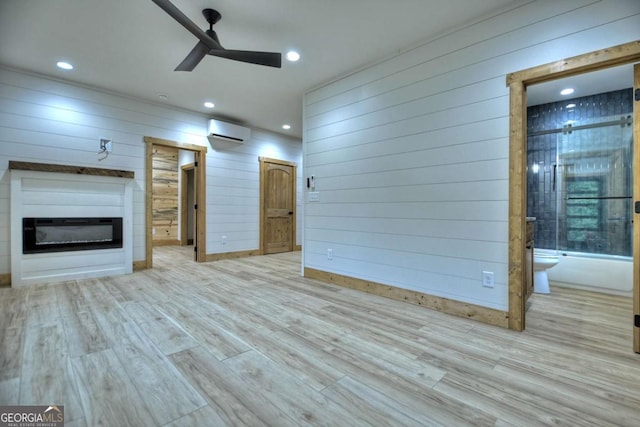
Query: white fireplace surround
(54, 194)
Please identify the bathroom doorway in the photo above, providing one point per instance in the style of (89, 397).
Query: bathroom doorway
(518, 83)
(580, 166)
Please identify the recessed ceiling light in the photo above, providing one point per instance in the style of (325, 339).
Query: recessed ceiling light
(162, 96)
(64, 65)
(209, 104)
(286, 127)
(293, 56)
(567, 91)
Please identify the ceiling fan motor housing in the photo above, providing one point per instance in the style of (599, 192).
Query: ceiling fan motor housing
(212, 16)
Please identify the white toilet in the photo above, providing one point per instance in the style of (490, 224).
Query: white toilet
(543, 259)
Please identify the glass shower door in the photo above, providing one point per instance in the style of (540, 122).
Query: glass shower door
(594, 179)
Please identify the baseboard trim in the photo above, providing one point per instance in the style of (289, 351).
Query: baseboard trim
(139, 265)
(5, 280)
(444, 305)
(232, 255)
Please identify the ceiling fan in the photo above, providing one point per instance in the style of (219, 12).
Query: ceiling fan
(209, 44)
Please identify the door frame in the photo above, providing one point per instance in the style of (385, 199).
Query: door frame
(636, 198)
(263, 187)
(200, 154)
(518, 83)
(184, 202)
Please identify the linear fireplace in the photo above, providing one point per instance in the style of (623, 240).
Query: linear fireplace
(42, 235)
(60, 213)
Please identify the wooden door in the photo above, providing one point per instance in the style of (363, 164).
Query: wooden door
(636, 198)
(187, 204)
(278, 208)
(198, 207)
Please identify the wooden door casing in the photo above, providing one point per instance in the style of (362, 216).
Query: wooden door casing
(636, 198)
(517, 82)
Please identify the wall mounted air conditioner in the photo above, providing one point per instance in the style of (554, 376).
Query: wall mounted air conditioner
(229, 132)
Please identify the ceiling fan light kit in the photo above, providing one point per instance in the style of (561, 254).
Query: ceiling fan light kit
(209, 44)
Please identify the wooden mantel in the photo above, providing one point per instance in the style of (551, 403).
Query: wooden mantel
(76, 170)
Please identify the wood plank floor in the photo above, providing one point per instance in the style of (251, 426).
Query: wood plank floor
(249, 342)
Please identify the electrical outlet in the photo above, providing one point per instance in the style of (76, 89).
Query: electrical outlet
(329, 254)
(153, 231)
(487, 279)
(224, 240)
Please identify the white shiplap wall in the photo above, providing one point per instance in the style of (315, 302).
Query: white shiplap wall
(233, 187)
(49, 121)
(410, 155)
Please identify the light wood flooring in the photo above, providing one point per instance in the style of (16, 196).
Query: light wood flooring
(249, 342)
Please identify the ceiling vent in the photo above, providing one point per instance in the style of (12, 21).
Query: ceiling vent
(229, 132)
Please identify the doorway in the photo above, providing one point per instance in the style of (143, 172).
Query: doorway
(199, 200)
(277, 206)
(518, 83)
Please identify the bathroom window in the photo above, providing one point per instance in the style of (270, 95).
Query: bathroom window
(583, 213)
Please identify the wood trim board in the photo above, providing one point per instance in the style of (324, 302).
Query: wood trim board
(140, 265)
(5, 280)
(636, 198)
(75, 170)
(517, 207)
(444, 305)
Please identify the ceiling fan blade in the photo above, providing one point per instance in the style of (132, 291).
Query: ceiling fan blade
(183, 20)
(270, 59)
(194, 57)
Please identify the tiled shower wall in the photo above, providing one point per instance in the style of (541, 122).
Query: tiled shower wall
(542, 186)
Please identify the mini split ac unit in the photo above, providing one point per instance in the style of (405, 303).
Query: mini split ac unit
(227, 132)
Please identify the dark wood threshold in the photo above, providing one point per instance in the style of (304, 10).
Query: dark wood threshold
(76, 170)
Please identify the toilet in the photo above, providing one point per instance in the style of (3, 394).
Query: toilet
(542, 261)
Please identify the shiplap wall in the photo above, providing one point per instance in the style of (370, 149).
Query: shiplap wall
(49, 121)
(233, 186)
(410, 155)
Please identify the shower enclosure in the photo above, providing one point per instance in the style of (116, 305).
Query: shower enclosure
(580, 178)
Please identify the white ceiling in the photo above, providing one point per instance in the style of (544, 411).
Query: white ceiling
(132, 46)
(607, 80)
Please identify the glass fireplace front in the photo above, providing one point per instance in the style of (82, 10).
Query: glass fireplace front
(41, 235)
